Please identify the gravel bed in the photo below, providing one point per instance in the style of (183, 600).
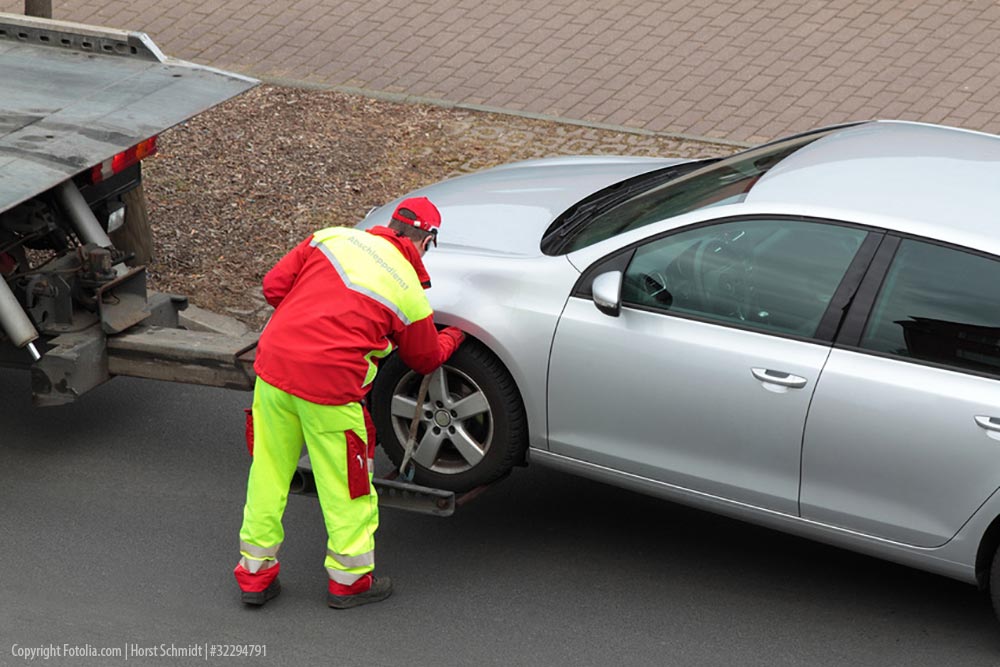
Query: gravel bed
(231, 191)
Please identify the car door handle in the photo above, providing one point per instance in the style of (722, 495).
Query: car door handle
(988, 423)
(779, 378)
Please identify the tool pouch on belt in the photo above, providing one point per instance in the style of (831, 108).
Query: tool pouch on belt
(249, 430)
(357, 466)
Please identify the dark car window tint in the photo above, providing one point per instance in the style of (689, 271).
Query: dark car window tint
(724, 182)
(940, 305)
(773, 275)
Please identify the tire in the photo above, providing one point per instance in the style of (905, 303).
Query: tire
(994, 588)
(473, 429)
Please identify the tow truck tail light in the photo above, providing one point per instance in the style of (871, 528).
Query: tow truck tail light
(123, 160)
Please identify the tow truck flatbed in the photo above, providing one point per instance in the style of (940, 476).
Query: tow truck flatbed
(75, 95)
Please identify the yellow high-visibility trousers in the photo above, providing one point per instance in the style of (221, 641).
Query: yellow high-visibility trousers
(337, 439)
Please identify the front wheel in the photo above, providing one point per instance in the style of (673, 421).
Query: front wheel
(472, 426)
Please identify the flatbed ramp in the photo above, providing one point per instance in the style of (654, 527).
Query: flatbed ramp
(60, 112)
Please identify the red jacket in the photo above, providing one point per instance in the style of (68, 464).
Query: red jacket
(344, 299)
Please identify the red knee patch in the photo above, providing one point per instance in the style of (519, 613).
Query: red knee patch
(249, 430)
(357, 465)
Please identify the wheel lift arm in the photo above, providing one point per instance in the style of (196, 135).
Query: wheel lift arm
(393, 493)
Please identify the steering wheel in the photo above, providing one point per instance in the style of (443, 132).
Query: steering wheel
(683, 277)
(735, 288)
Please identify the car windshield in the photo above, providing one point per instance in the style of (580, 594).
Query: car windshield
(724, 182)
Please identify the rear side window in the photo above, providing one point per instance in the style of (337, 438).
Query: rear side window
(939, 305)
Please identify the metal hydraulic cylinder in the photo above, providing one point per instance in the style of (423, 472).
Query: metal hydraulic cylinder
(16, 324)
(84, 220)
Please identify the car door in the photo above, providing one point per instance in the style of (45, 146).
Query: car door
(903, 437)
(704, 379)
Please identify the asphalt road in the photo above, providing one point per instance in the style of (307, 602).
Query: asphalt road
(119, 528)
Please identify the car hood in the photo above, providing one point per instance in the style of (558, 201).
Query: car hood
(507, 209)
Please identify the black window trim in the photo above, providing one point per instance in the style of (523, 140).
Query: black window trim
(833, 318)
(860, 310)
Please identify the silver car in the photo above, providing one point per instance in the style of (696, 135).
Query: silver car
(805, 335)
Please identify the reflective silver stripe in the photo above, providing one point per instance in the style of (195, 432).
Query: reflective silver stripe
(344, 578)
(253, 566)
(364, 560)
(357, 288)
(259, 553)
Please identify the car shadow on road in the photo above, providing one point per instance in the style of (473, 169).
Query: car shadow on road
(607, 540)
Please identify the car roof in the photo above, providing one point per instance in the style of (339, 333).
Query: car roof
(939, 178)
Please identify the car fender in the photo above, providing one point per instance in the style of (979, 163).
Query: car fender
(512, 305)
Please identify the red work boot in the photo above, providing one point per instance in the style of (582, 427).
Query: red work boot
(380, 589)
(256, 588)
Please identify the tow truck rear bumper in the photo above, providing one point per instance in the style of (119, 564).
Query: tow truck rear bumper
(174, 342)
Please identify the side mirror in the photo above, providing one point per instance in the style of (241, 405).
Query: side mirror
(607, 293)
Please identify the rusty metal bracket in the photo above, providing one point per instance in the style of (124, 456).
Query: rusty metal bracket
(121, 303)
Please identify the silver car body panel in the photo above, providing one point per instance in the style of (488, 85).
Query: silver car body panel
(492, 280)
(666, 369)
(512, 305)
(938, 176)
(892, 448)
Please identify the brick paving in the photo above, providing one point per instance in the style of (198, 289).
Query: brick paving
(738, 70)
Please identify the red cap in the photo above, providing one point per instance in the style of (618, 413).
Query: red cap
(419, 212)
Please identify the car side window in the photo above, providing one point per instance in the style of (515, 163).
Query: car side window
(772, 275)
(939, 305)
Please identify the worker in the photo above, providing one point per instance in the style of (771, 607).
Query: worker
(343, 299)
